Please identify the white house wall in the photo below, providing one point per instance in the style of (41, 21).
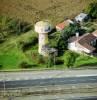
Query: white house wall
(74, 47)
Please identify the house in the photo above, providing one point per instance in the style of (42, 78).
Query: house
(62, 25)
(81, 17)
(86, 43)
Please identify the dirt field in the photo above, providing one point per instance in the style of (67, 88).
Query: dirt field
(35, 10)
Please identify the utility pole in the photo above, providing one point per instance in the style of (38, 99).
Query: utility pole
(54, 61)
(4, 85)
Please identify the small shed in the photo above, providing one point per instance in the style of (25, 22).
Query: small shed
(48, 50)
(81, 17)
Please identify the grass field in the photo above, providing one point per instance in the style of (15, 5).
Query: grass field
(11, 53)
(35, 10)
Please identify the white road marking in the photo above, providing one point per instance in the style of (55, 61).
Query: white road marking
(9, 79)
(93, 79)
(18, 79)
(73, 80)
(45, 89)
(88, 86)
(86, 75)
(73, 87)
(27, 78)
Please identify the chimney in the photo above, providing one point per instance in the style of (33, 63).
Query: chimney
(77, 34)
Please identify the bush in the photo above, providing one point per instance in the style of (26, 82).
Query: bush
(25, 65)
(59, 62)
(46, 61)
(41, 59)
(69, 58)
(83, 60)
(50, 60)
(1, 66)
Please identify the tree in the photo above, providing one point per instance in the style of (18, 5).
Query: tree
(69, 31)
(92, 10)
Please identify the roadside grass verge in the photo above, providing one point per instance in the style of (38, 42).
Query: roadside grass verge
(83, 60)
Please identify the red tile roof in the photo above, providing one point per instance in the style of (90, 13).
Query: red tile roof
(63, 24)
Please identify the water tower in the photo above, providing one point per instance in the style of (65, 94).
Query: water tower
(43, 28)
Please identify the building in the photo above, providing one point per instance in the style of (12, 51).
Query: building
(81, 17)
(62, 25)
(86, 43)
(43, 28)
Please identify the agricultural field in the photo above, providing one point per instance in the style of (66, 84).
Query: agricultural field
(35, 10)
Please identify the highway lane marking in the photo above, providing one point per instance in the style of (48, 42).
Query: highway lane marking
(85, 75)
(74, 87)
(27, 78)
(45, 89)
(59, 75)
(93, 79)
(73, 80)
(9, 79)
(88, 86)
(18, 78)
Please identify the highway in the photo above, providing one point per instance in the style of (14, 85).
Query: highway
(48, 81)
(49, 84)
(58, 97)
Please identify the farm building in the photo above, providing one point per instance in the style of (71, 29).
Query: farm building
(81, 17)
(85, 43)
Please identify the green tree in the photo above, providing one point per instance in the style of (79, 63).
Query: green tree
(69, 31)
(92, 10)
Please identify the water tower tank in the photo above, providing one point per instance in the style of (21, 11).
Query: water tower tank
(43, 27)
